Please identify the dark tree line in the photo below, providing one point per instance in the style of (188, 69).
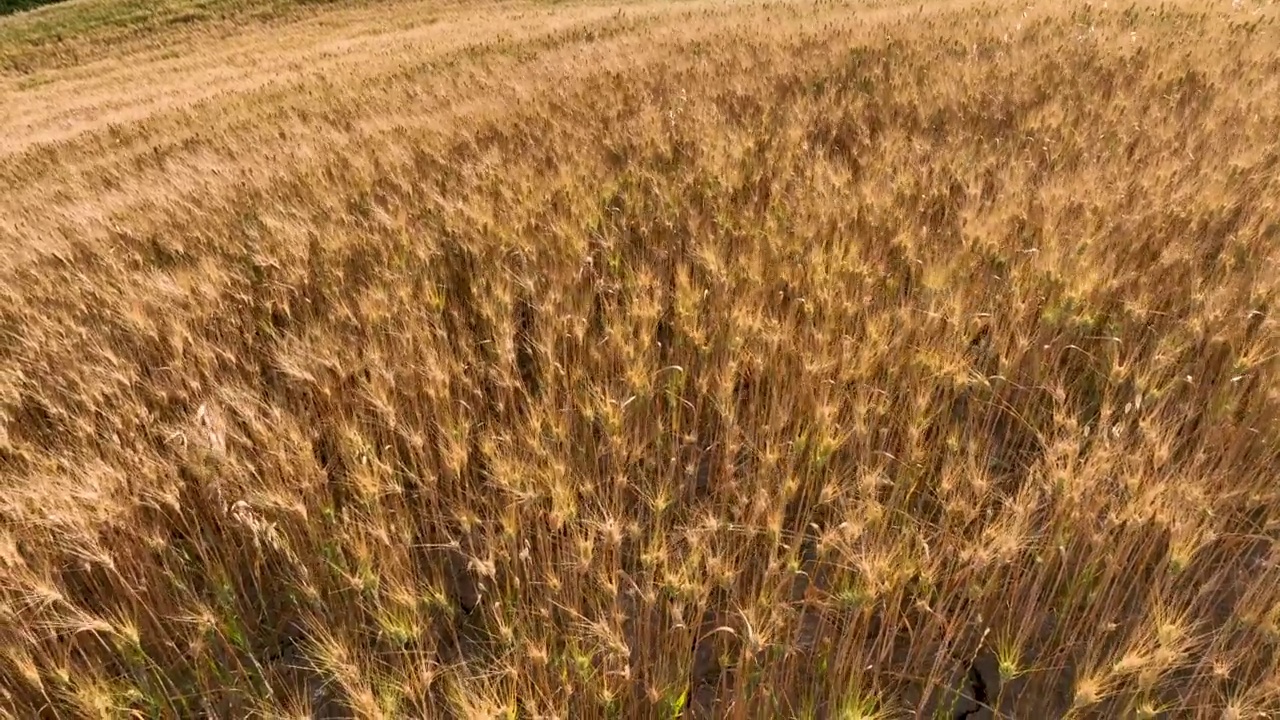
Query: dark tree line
(13, 6)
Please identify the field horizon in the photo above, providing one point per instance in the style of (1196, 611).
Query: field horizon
(653, 359)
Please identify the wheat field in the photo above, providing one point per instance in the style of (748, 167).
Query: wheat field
(845, 359)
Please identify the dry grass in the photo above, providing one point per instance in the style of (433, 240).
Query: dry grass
(813, 360)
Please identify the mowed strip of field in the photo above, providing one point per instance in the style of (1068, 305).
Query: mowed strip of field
(130, 134)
